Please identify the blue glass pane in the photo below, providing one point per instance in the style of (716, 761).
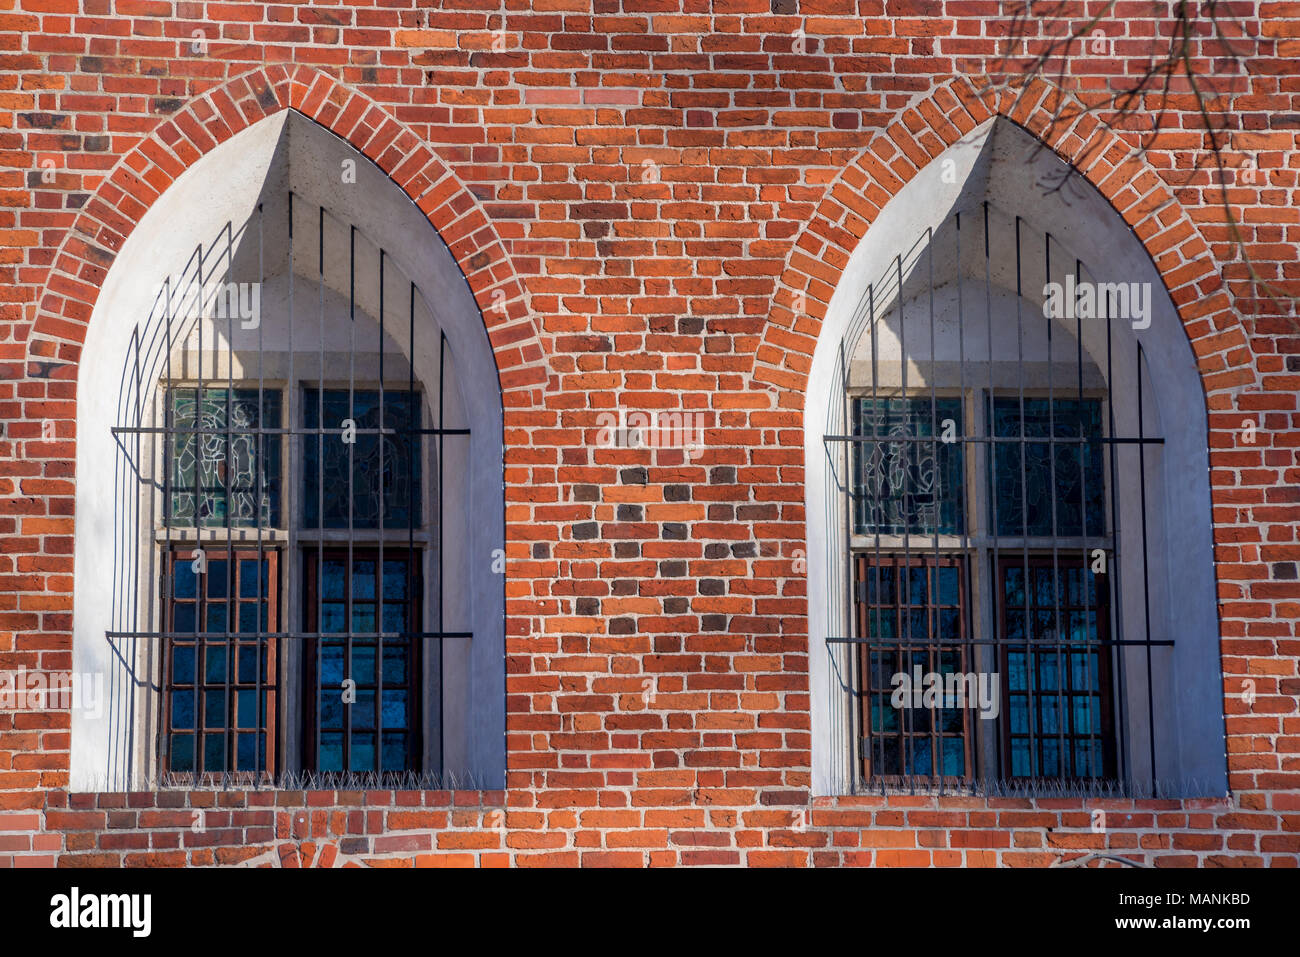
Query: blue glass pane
(248, 658)
(363, 662)
(1047, 488)
(922, 758)
(394, 751)
(1019, 714)
(954, 756)
(363, 618)
(331, 667)
(182, 752)
(183, 664)
(246, 708)
(394, 618)
(185, 581)
(905, 486)
(362, 757)
(248, 579)
(363, 580)
(395, 580)
(332, 708)
(395, 709)
(214, 709)
(246, 755)
(364, 711)
(949, 585)
(232, 475)
(248, 616)
(182, 709)
(394, 665)
(215, 658)
(216, 618)
(333, 583)
(216, 578)
(383, 472)
(183, 617)
(1049, 749)
(331, 751)
(1020, 766)
(333, 620)
(214, 752)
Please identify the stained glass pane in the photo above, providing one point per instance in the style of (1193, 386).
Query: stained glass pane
(231, 479)
(905, 486)
(1061, 481)
(364, 462)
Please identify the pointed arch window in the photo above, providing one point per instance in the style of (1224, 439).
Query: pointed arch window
(300, 438)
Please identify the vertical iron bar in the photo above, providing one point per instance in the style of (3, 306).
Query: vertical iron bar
(415, 741)
(964, 570)
(320, 499)
(905, 584)
(352, 488)
(201, 581)
(291, 450)
(259, 467)
(935, 655)
(1146, 585)
(164, 749)
(875, 524)
(992, 472)
(1118, 653)
(1096, 747)
(1064, 675)
(850, 622)
(379, 614)
(1024, 506)
(227, 735)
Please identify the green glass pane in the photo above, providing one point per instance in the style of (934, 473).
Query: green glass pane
(219, 466)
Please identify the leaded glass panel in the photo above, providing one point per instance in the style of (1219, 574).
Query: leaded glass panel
(905, 486)
(219, 463)
(1064, 476)
(332, 465)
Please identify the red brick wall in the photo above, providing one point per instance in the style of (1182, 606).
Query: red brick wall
(679, 294)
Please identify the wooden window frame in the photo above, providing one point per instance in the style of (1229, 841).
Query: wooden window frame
(176, 553)
(864, 564)
(1101, 646)
(312, 556)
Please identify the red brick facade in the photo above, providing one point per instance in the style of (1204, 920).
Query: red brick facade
(527, 156)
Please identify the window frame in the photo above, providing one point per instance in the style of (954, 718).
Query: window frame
(983, 551)
(417, 706)
(290, 542)
(274, 680)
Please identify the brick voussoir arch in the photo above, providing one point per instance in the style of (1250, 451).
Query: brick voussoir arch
(921, 133)
(143, 175)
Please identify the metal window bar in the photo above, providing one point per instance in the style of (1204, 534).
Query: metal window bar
(185, 322)
(1067, 750)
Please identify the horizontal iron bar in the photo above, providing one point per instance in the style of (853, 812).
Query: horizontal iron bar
(286, 635)
(956, 643)
(1028, 439)
(178, 430)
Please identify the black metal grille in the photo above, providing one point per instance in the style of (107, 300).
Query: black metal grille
(291, 518)
(980, 465)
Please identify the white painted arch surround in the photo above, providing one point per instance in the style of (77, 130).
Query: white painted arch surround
(288, 150)
(1002, 163)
